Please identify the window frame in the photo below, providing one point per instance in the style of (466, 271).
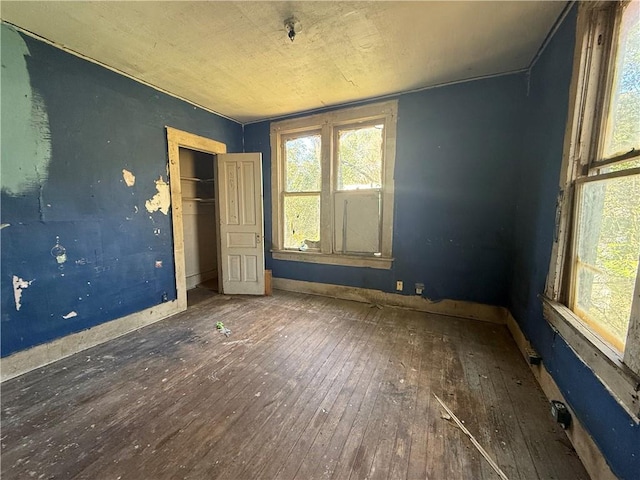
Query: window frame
(593, 69)
(286, 193)
(328, 123)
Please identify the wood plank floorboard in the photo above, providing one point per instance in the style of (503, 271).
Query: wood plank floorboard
(306, 387)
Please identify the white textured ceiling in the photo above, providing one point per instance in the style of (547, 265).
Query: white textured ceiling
(234, 58)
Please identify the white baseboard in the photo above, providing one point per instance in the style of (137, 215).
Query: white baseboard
(198, 278)
(585, 447)
(452, 308)
(41, 355)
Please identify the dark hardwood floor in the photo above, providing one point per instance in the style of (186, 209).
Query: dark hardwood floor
(305, 387)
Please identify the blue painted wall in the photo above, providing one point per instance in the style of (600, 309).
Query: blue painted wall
(539, 171)
(92, 124)
(457, 152)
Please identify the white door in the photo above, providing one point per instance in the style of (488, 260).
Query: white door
(241, 231)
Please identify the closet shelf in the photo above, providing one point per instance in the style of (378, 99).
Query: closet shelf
(201, 180)
(199, 199)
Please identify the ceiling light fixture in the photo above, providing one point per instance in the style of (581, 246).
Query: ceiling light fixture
(290, 26)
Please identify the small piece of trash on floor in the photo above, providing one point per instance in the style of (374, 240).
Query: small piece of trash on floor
(257, 394)
(222, 329)
(445, 416)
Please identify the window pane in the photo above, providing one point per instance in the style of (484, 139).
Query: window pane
(301, 221)
(623, 125)
(360, 158)
(607, 255)
(302, 159)
(618, 166)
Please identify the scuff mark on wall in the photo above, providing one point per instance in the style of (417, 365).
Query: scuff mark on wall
(70, 315)
(18, 286)
(129, 178)
(161, 200)
(26, 146)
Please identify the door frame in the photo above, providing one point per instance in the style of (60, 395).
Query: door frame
(176, 139)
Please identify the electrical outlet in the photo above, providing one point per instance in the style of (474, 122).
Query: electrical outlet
(560, 413)
(419, 288)
(399, 285)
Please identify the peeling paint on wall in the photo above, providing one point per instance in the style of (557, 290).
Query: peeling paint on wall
(70, 315)
(26, 147)
(59, 252)
(161, 200)
(18, 286)
(129, 178)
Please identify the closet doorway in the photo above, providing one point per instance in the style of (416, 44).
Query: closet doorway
(194, 213)
(199, 219)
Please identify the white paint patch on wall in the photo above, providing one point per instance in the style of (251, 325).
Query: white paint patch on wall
(18, 286)
(161, 200)
(26, 138)
(129, 178)
(70, 315)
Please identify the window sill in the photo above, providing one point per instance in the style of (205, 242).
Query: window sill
(331, 259)
(605, 362)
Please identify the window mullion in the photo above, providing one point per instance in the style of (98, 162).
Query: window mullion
(326, 210)
(301, 194)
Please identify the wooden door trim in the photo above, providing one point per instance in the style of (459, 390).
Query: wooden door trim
(176, 139)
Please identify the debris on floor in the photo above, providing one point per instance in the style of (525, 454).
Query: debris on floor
(482, 451)
(224, 330)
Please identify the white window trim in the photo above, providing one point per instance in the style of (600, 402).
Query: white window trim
(618, 373)
(325, 122)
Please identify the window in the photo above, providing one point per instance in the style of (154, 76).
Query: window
(594, 270)
(302, 188)
(332, 186)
